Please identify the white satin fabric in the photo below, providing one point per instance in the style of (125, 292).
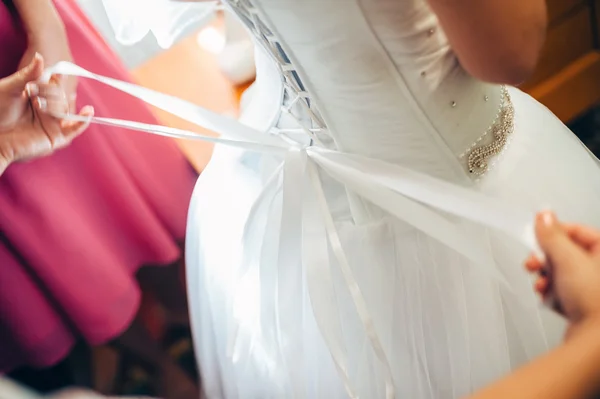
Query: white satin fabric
(424, 303)
(371, 266)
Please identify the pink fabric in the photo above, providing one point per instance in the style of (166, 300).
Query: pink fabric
(76, 226)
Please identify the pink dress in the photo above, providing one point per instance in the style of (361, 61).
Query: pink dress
(76, 226)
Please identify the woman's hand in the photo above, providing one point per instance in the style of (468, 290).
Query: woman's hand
(54, 50)
(571, 274)
(28, 128)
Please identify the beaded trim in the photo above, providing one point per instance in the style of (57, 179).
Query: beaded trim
(478, 155)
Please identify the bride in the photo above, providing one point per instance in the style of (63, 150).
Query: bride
(378, 256)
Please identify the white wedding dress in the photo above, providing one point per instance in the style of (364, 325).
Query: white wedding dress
(375, 78)
(362, 234)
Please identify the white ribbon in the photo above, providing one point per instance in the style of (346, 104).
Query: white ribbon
(307, 223)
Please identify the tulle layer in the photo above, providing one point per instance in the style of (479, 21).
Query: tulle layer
(447, 327)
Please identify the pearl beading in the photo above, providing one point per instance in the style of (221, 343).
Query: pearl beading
(479, 155)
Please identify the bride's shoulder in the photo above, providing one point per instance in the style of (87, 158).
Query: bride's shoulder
(495, 40)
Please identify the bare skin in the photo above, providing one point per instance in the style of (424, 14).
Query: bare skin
(497, 41)
(571, 275)
(27, 129)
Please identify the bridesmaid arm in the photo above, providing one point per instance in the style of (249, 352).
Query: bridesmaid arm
(571, 371)
(46, 35)
(498, 41)
(40, 19)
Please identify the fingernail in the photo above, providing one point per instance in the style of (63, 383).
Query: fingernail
(32, 89)
(37, 57)
(42, 103)
(548, 218)
(88, 109)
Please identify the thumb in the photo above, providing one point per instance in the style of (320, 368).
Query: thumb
(561, 251)
(16, 82)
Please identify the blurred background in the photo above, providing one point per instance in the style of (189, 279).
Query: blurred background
(568, 75)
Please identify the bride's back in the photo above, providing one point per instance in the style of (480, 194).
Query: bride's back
(383, 77)
(376, 78)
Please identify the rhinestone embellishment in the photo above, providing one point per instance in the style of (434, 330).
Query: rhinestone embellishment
(478, 156)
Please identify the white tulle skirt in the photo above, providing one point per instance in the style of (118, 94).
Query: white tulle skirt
(446, 326)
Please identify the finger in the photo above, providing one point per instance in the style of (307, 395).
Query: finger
(552, 302)
(583, 235)
(52, 107)
(16, 82)
(49, 124)
(72, 101)
(57, 93)
(72, 129)
(533, 264)
(64, 82)
(56, 79)
(47, 90)
(542, 284)
(562, 252)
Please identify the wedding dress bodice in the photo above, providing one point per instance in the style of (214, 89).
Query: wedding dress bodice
(382, 77)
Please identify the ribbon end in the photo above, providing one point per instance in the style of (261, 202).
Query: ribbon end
(531, 241)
